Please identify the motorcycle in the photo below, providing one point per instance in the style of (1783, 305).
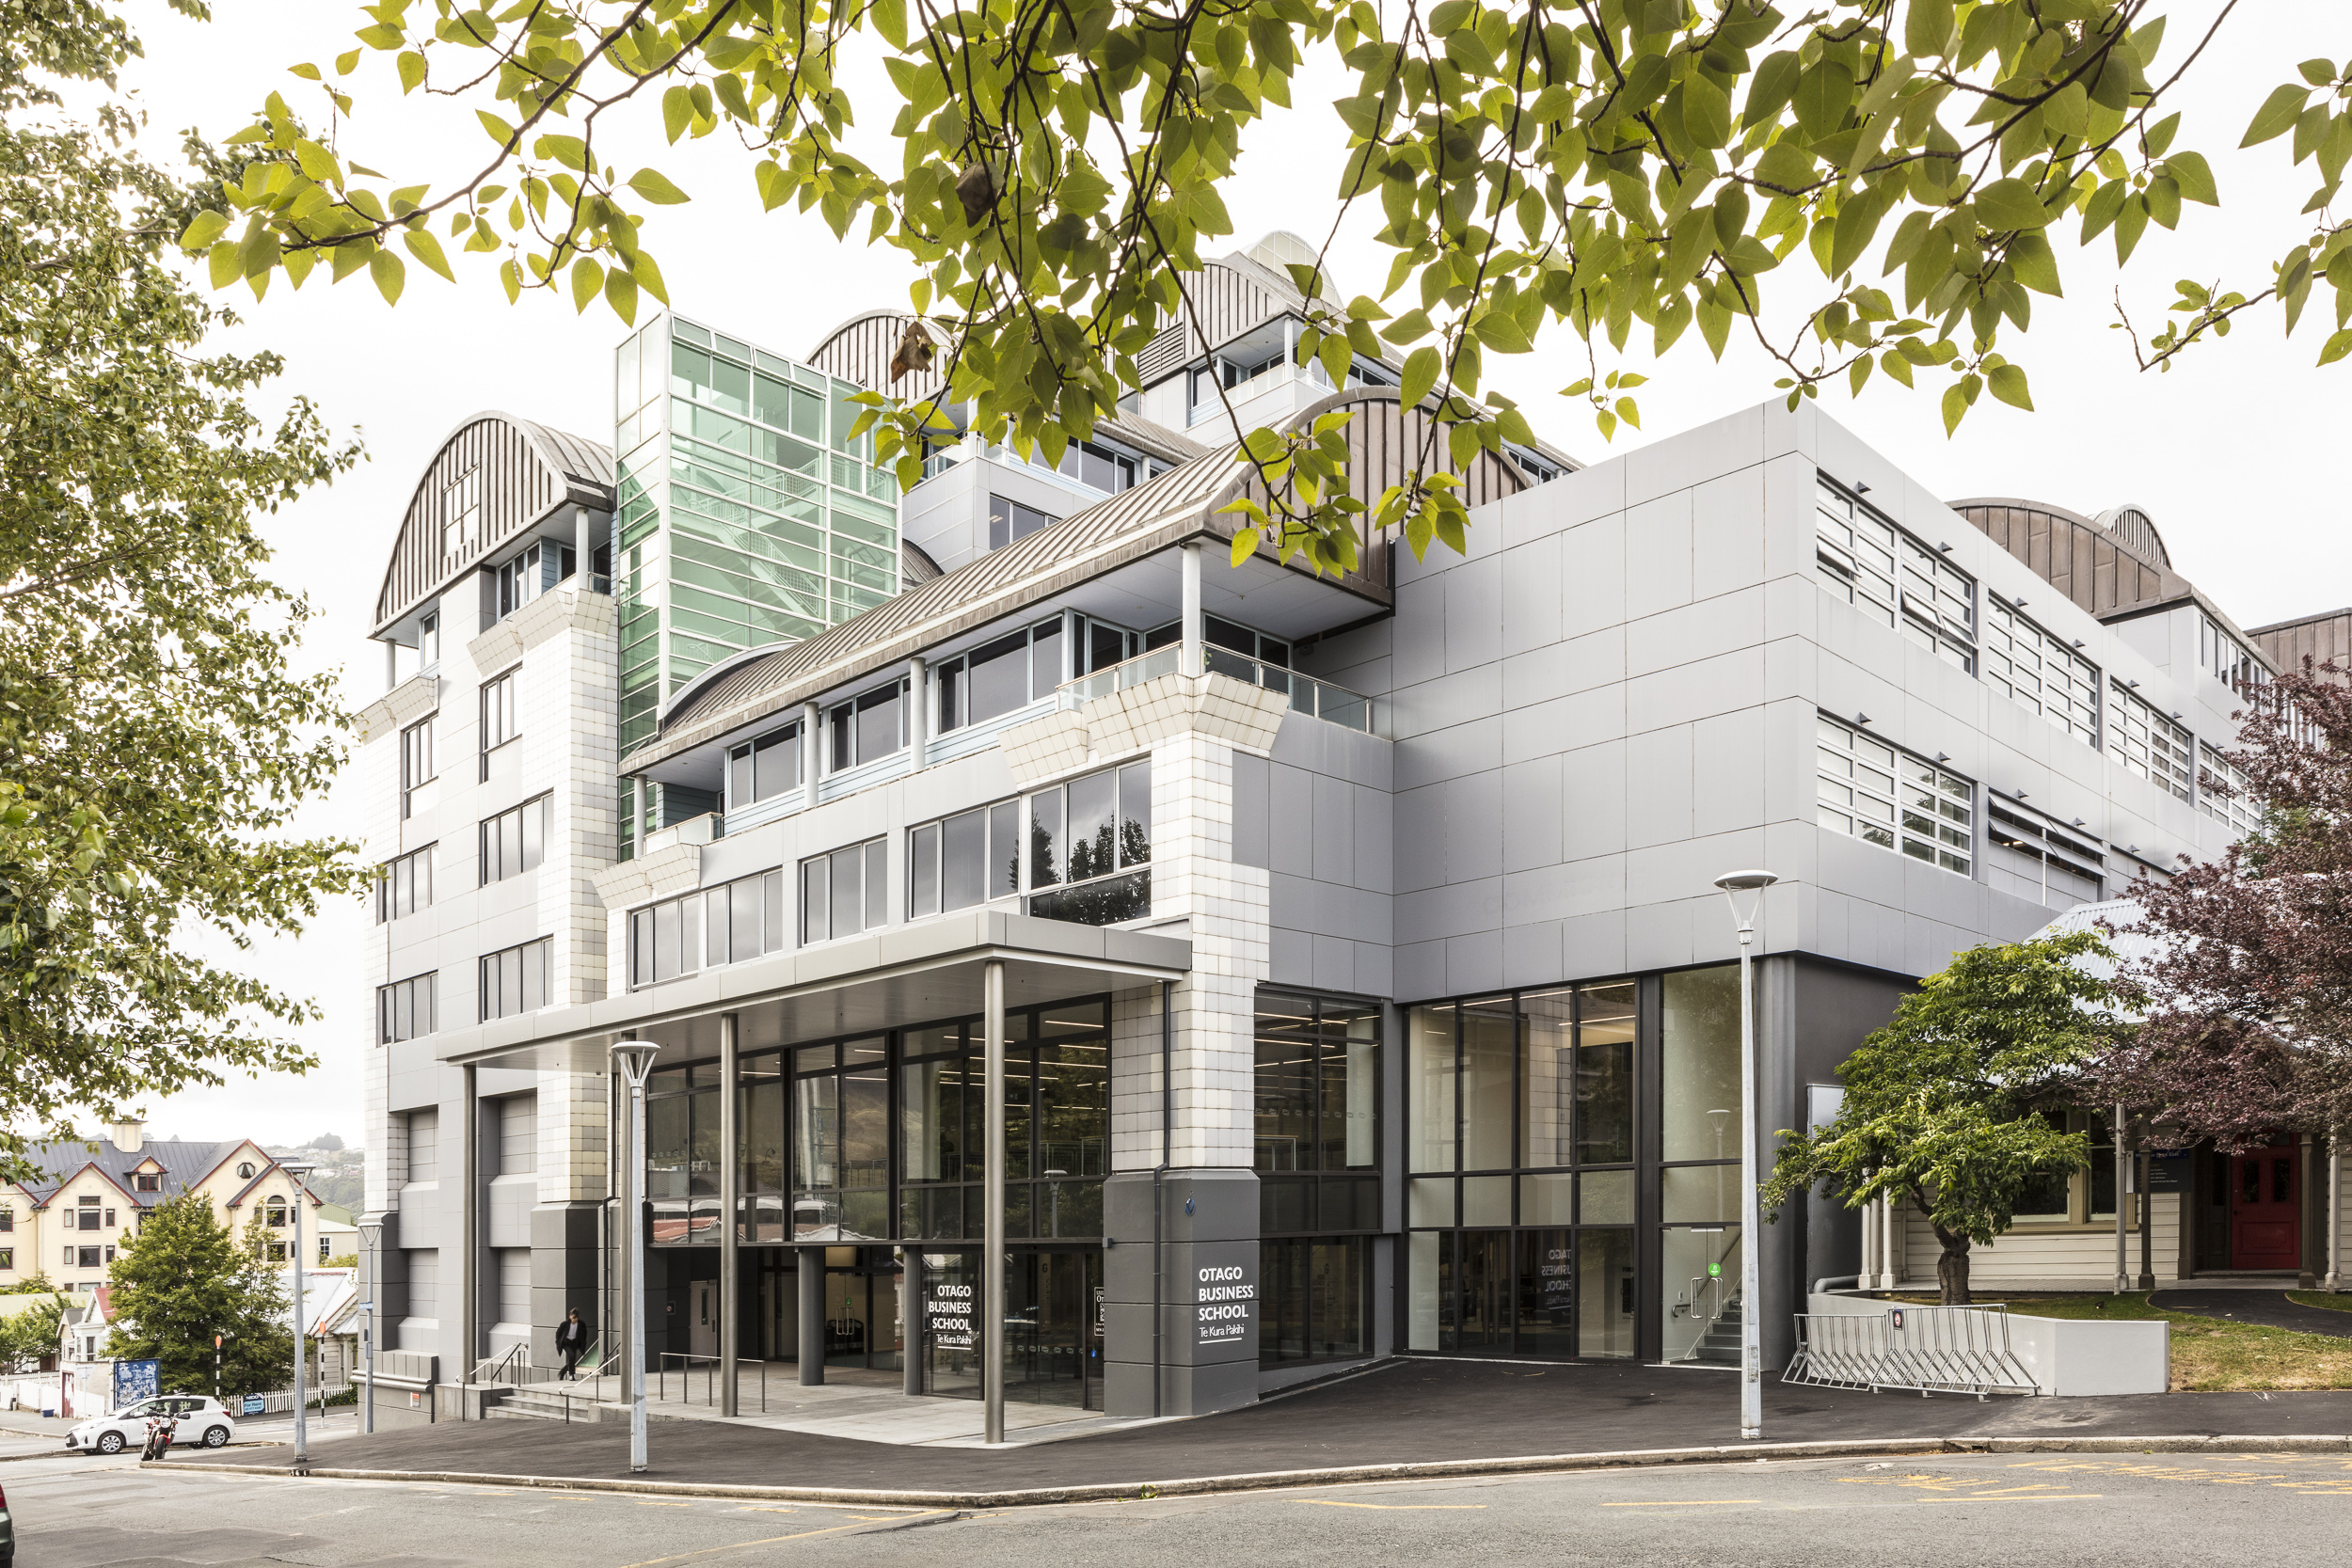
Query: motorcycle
(160, 1430)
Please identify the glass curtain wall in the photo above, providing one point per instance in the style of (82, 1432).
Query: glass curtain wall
(1520, 1200)
(746, 514)
(1318, 1161)
(1699, 1191)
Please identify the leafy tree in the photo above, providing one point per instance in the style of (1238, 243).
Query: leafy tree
(342, 1260)
(155, 743)
(1948, 1106)
(185, 1278)
(29, 1336)
(2248, 992)
(327, 1143)
(35, 1284)
(1582, 168)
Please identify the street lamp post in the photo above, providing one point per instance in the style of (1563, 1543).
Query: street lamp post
(1745, 889)
(296, 1170)
(635, 1059)
(370, 1238)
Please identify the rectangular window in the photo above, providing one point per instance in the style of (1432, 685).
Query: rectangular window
(1008, 520)
(764, 768)
(424, 1145)
(1894, 799)
(2226, 659)
(405, 1008)
(531, 574)
(499, 723)
(2034, 856)
(866, 729)
(88, 1258)
(721, 925)
(514, 841)
(428, 640)
(2238, 809)
(405, 885)
(7, 1257)
(8, 1216)
(418, 769)
(514, 979)
(965, 860)
(1097, 466)
(998, 677)
(844, 893)
(1869, 563)
(149, 1181)
(2041, 671)
(2147, 742)
(461, 514)
(1091, 841)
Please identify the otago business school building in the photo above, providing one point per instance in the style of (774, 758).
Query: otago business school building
(1364, 987)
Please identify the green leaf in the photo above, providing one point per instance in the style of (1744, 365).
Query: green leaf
(587, 282)
(1245, 545)
(2008, 383)
(390, 275)
(2034, 264)
(620, 291)
(425, 248)
(498, 131)
(2189, 171)
(2277, 115)
(1706, 111)
(2336, 347)
(890, 20)
(203, 229)
(1421, 373)
(2010, 204)
(655, 187)
(411, 68)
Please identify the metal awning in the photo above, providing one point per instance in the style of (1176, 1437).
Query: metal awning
(907, 974)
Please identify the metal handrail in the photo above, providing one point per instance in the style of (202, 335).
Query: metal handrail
(710, 1376)
(1318, 699)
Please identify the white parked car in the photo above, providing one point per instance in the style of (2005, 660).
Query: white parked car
(203, 1423)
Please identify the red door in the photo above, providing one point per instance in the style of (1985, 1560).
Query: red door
(2264, 1210)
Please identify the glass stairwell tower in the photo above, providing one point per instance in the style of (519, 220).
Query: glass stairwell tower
(746, 516)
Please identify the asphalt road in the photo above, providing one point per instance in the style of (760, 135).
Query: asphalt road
(2008, 1509)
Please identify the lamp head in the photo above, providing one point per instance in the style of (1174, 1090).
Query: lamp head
(635, 1060)
(296, 1169)
(371, 1232)
(1746, 889)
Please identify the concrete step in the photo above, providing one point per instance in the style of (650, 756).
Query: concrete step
(538, 1404)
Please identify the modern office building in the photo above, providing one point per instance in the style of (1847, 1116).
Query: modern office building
(1364, 984)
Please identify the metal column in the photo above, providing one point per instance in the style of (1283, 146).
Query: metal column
(811, 1288)
(730, 1202)
(469, 1239)
(993, 1209)
(1192, 658)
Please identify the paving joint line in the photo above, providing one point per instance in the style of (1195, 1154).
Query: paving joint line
(1334, 1475)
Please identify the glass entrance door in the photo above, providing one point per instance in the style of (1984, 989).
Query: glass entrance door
(1053, 1327)
(861, 1308)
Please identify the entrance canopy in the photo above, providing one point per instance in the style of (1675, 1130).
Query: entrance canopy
(886, 979)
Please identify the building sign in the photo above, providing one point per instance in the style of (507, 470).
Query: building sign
(947, 1314)
(136, 1381)
(1226, 1301)
(1555, 1285)
(253, 1403)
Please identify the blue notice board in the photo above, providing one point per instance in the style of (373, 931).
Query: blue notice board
(252, 1404)
(136, 1381)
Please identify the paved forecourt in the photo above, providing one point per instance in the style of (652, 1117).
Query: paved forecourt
(1421, 1413)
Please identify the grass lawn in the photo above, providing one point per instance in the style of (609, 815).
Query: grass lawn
(2321, 1298)
(2212, 1353)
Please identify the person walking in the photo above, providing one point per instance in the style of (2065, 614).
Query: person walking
(571, 1337)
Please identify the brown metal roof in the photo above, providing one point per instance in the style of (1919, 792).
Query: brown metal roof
(1178, 505)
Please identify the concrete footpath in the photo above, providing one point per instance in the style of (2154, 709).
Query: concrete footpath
(1403, 1417)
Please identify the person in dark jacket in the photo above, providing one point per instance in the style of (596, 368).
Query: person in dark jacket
(571, 1337)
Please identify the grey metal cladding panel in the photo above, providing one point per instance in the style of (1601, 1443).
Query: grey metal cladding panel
(1252, 796)
(1292, 804)
(1333, 839)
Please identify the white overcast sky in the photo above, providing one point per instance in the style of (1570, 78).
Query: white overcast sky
(2237, 454)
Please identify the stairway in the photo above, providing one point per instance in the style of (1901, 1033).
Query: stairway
(1720, 1345)
(538, 1403)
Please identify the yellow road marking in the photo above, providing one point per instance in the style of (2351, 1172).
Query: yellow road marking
(1696, 1503)
(1392, 1507)
(2062, 1498)
(740, 1546)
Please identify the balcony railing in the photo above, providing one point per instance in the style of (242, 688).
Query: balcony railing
(1316, 699)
